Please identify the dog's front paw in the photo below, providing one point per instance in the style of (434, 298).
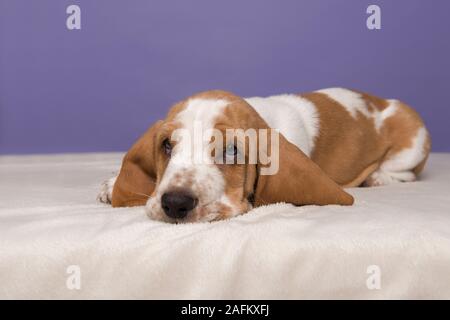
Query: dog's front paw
(105, 194)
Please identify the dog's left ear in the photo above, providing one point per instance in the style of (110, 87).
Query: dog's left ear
(298, 181)
(137, 178)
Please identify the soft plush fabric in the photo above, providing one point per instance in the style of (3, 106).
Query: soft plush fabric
(50, 220)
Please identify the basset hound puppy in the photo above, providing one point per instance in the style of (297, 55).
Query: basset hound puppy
(321, 142)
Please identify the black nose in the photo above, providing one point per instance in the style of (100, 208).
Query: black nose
(177, 204)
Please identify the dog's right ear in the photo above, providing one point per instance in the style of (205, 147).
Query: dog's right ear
(137, 177)
(298, 181)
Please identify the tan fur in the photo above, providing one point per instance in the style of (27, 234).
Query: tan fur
(345, 146)
(352, 148)
(137, 178)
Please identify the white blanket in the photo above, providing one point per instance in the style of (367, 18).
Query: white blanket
(49, 221)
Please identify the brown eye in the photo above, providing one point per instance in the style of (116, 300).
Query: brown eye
(167, 147)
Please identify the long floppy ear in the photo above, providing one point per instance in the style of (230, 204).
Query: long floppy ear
(136, 180)
(298, 181)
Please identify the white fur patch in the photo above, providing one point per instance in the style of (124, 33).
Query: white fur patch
(354, 103)
(105, 194)
(295, 117)
(350, 100)
(389, 111)
(383, 178)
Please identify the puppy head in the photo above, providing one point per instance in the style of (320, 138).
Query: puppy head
(214, 157)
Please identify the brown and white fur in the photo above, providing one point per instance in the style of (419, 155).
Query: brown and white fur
(329, 139)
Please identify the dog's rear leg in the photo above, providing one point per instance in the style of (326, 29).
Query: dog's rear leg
(409, 151)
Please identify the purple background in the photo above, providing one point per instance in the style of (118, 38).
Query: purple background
(98, 88)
